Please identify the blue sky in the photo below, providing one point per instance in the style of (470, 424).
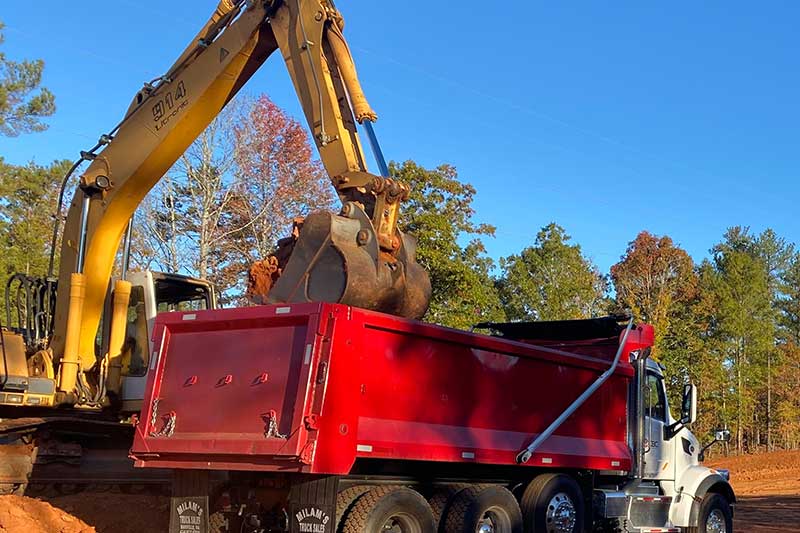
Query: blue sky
(609, 118)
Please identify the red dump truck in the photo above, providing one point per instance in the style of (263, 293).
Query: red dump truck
(323, 418)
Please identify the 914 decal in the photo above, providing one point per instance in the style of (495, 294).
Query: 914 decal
(169, 105)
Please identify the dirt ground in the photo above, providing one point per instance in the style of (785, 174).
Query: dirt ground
(768, 490)
(86, 512)
(767, 485)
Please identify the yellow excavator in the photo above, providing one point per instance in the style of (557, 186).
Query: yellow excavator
(76, 346)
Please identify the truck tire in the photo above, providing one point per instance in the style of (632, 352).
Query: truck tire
(441, 499)
(491, 508)
(553, 503)
(396, 509)
(715, 515)
(345, 500)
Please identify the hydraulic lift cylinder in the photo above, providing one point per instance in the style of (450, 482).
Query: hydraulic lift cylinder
(119, 322)
(71, 358)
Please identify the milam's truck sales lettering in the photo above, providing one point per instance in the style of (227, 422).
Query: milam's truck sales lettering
(321, 518)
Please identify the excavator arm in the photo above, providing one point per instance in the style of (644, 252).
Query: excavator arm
(358, 257)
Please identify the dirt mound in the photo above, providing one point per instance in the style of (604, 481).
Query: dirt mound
(107, 512)
(26, 515)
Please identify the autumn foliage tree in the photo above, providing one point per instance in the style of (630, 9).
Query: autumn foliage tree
(277, 180)
(231, 196)
(653, 280)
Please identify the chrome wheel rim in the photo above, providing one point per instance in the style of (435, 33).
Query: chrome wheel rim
(715, 523)
(485, 527)
(561, 514)
(494, 520)
(401, 523)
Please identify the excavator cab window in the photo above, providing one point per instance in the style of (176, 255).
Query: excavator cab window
(135, 351)
(181, 295)
(154, 293)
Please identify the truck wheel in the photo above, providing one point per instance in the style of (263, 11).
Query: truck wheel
(345, 500)
(715, 515)
(490, 509)
(441, 499)
(390, 510)
(553, 503)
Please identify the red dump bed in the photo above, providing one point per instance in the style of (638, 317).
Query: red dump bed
(311, 388)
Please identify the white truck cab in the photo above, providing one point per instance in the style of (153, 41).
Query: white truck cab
(671, 490)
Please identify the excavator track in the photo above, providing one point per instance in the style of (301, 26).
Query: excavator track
(67, 454)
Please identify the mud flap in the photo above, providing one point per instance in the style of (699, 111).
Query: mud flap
(337, 259)
(189, 502)
(312, 504)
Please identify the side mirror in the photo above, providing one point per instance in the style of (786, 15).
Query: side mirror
(720, 435)
(689, 405)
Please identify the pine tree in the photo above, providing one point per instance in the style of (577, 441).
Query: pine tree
(21, 106)
(28, 196)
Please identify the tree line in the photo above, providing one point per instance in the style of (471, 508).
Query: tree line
(730, 323)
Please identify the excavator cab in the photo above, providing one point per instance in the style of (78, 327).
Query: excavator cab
(27, 375)
(153, 293)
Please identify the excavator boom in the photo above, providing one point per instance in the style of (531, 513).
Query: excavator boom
(357, 257)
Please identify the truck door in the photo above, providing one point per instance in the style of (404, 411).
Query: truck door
(657, 449)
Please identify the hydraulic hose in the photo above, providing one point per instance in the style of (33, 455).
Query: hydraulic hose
(5, 358)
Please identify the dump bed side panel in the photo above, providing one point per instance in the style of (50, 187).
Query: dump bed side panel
(434, 394)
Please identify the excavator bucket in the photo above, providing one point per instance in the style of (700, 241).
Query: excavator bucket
(336, 258)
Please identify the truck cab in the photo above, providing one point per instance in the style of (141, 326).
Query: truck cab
(672, 490)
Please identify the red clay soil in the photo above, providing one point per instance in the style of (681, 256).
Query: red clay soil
(106, 512)
(767, 486)
(18, 515)
(768, 490)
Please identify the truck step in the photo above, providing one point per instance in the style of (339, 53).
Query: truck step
(650, 513)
